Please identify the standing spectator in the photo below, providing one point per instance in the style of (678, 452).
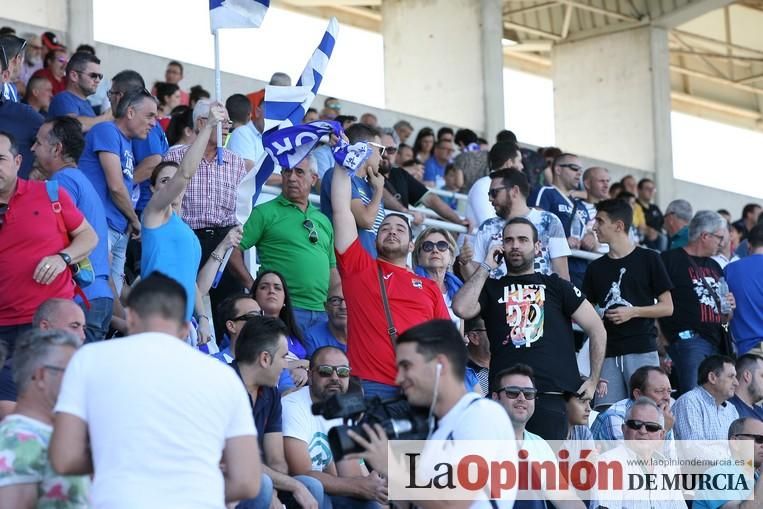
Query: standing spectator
(508, 194)
(423, 145)
(245, 138)
(404, 154)
(235, 311)
(370, 120)
(21, 122)
(596, 184)
(192, 426)
(209, 203)
(100, 99)
(32, 243)
(652, 214)
(83, 73)
(478, 352)
(695, 328)
(434, 168)
(472, 163)
(32, 61)
(744, 278)
(704, 413)
(27, 479)
(527, 315)
(54, 69)
(57, 149)
(332, 332)
(479, 207)
(749, 392)
(12, 48)
(403, 130)
(629, 184)
(168, 95)
(410, 298)
(197, 94)
(433, 255)
(174, 75)
(676, 222)
(293, 237)
(108, 162)
(367, 188)
(60, 314)
(749, 218)
(631, 288)
(39, 93)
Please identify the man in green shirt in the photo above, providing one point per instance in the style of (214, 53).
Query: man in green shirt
(294, 238)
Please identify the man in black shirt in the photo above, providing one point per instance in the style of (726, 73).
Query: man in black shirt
(694, 331)
(653, 236)
(624, 284)
(261, 352)
(528, 319)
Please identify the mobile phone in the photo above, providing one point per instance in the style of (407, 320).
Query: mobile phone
(498, 256)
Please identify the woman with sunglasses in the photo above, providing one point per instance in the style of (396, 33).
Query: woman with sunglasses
(272, 294)
(433, 256)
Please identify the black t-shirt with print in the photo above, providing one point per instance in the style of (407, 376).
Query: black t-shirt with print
(404, 187)
(528, 320)
(694, 308)
(634, 280)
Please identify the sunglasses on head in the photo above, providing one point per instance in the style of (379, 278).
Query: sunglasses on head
(313, 233)
(757, 438)
(636, 425)
(513, 392)
(428, 246)
(325, 371)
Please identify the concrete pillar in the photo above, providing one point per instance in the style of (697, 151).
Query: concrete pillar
(443, 60)
(612, 101)
(79, 26)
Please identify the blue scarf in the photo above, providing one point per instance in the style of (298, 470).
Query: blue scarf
(452, 283)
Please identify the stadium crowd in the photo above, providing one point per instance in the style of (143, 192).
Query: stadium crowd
(572, 308)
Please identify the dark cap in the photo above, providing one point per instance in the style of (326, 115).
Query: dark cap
(50, 41)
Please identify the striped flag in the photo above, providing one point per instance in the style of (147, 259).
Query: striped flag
(237, 13)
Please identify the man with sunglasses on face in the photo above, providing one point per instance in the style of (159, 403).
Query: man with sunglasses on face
(235, 311)
(83, 72)
(293, 237)
(306, 436)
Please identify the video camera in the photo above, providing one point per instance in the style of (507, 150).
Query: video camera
(357, 410)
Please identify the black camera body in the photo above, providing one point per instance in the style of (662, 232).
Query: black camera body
(356, 410)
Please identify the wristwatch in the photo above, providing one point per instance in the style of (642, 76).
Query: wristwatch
(66, 257)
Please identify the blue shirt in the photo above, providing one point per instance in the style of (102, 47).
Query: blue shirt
(745, 410)
(22, 122)
(745, 279)
(434, 172)
(87, 201)
(295, 347)
(320, 335)
(174, 250)
(361, 190)
(67, 103)
(266, 411)
(106, 137)
(154, 144)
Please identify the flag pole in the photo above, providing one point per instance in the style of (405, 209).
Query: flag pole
(218, 96)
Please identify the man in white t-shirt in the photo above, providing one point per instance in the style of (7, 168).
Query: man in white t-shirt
(306, 435)
(431, 364)
(153, 418)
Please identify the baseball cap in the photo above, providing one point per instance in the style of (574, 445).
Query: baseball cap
(50, 41)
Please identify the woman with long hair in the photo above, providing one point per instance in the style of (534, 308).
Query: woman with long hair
(180, 130)
(424, 144)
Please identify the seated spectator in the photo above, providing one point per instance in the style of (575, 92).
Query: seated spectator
(235, 310)
(472, 161)
(32, 62)
(704, 413)
(676, 222)
(305, 436)
(422, 147)
(169, 97)
(749, 392)
(403, 130)
(58, 147)
(173, 75)
(454, 182)
(478, 353)
(404, 153)
(261, 352)
(648, 381)
(180, 130)
(332, 332)
(272, 294)
(415, 169)
(652, 232)
(27, 479)
(54, 69)
(60, 314)
(433, 255)
(749, 218)
(369, 119)
(39, 93)
(629, 184)
(196, 94)
(83, 75)
(434, 168)
(615, 189)
(311, 115)
(744, 277)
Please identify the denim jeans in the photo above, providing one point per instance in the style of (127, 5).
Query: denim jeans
(687, 355)
(118, 252)
(263, 498)
(97, 318)
(306, 318)
(384, 391)
(342, 502)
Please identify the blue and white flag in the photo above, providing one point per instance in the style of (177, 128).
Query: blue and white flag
(237, 13)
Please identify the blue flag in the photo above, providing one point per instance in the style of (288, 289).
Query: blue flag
(237, 13)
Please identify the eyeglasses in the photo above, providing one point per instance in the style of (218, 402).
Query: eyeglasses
(313, 235)
(57, 369)
(92, 75)
(428, 246)
(513, 392)
(494, 191)
(335, 301)
(636, 425)
(571, 166)
(757, 438)
(247, 316)
(720, 238)
(325, 371)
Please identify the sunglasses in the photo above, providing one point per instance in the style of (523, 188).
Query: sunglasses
(382, 148)
(335, 301)
(92, 75)
(757, 438)
(494, 192)
(247, 316)
(513, 392)
(636, 425)
(571, 166)
(313, 235)
(325, 371)
(428, 246)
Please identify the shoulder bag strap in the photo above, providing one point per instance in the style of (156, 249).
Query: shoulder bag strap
(391, 330)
